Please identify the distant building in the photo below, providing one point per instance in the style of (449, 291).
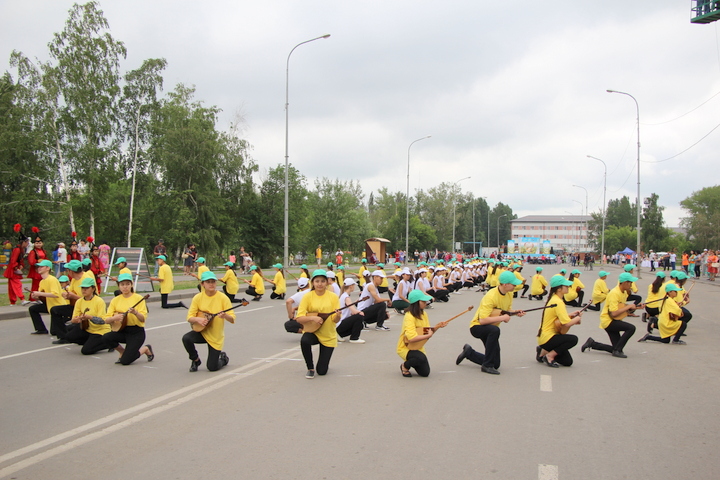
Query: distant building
(566, 232)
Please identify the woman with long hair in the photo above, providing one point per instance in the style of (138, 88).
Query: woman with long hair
(438, 291)
(554, 342)
(257, 284)
(671, 321)
(415, 319)
(88, 327)
(656, 291)
(230, 280)
(575, 293)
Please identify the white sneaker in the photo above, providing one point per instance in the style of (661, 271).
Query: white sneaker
(457, 293)
(359, 340)
(26, 302)
(382, 328)
(341, 339)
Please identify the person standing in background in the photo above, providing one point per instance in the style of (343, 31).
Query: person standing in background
(61, 259)
(318, 254)
(83, 250)
(157, 251)
(15, 266)
(104, 256)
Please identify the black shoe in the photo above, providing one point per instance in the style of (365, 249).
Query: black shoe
(644, 317)
(490, 370)
(465, 352)
(650, 326)
(224, 358)
(257, 299)
(118, 362)
(588, 344)
(619, 354)
(538, 357)
(150, 354)
(195, 364)
(644, 338)
(60, 341)
(183, 305)
(552, 364)
(39, 332)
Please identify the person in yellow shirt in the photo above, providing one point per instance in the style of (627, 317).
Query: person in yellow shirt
(133, 335)
(600, 291)
(485, 324)
(121, 263)
(415, 318)
(683, 298)
(554, 342)
(523, 285)
(205, 304)
(279, 286)
(90, 309)
(340, 275)
(361, 272)
(201, 268)
(61, 314)
(631, 294)
(50, 292)
(304, 273)
(318, 300)
(232, 285)
(167, 284)
(611, 318)
(318, 254)
(257, 284)
(538, 287)
(575, 294)
(656, 292)
(671, 321)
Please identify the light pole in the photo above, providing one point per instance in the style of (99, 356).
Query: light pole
(498, 230)
(407, 199)
(286, 229)
(637, 106)
(578, 233)
(602, 247)
(474, 244)
(454, 204)
(586, 197)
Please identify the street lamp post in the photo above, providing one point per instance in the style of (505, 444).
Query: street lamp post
(579, 223)
(498, 230)
(286, 229)
(637, 106)
(407, 200)
(454, 204)
(586, 197)
(602, 247)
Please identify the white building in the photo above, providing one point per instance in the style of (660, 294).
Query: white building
(567, 232)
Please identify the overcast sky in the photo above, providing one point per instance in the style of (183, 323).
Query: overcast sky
(513, 93)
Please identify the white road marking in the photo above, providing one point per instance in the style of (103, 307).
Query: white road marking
(547, 472)
(185, 394)
(30, 351)
(546, 383)
(277, 358)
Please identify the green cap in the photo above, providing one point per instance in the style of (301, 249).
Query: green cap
(626, 277)
(254, 267)
(330, 264)
(207, 276)
(88, 282)
(63, 278)
(508, 277)
(539, 269)
(87, 261)
(398, 264)
(417, 295)
(120, 260)
(340, 267)
(125, 277)
(602, 273)
(44, 263)
(671, 287)
(660, 274)
(380, 265)
(303, 266)
(364, 260)
(229, 264)
(681, 275)
(318, 273)
(278, 265)
(200, 260)
(629, 267)
(558, 281)
(674, 274)
(575, 272)
(162, 257)
(563, 271)
(74, 265)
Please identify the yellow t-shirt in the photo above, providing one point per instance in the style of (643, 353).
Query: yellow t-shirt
(669, 327)
(231, 282)
(97, 309)
(493, 299)
(340, 277)
(615, 299)
(166, 279)
(572, 291)
(384, 282)
(361, 278)
(214, 332)
(314, 303)
(88, 274)
(409, 331)
(655, 296)
(679, 299)
(559, 312)
(600, 291)
(258, 283)
(280, 286)
(121, 304)
(52, 285)
(74, 286)
(522, 279)
(303, 274)
(538, 282)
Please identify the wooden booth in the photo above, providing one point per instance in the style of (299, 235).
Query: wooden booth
(375, 250)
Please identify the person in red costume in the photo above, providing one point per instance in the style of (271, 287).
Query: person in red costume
(36, 255)
(96, 265)
(16, 264)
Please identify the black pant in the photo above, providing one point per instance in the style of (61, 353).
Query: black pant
(578, 301)
(75, 334)
(439, 295)
(38, 324)
(490, 336)
(687, 316)
(697, 271)
(251, 291)
(293, 326)
(352, 326)
(213, 360)
(417, 360)
(636, 299)
(59, 316)
(595, 307)
(132, 336)
(376, 313)
(164, 302)
(306, 343)
(561, 344)
(618, 342)
(679, 333)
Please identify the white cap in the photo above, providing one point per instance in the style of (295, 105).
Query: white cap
(330, 274)
(303, 282)
(366, 273)
(349, 281)
(378, 273)
(406, 271)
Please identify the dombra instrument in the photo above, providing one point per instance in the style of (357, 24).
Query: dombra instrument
(426, 330)
(84, 324)
(497, 312)
(120, 325)
(44, 299)
(637, 307)
(210, 316)
(311, 327)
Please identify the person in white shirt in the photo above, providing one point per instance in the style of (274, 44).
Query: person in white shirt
(61, 259)
(292, 303)
(351, 319)
(374, 308)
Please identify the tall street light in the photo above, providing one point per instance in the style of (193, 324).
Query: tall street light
(498, 230)
(602, 247)
(586, 197)
(474, 244)
(579, 223)
(286, 229)
(454, 204)
(407, 201)
(637, 106)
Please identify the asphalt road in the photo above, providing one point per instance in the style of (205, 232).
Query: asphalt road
(652, 415)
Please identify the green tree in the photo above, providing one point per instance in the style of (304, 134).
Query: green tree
(703, 224)
(618, 238)
(621, 213)
(654, 233)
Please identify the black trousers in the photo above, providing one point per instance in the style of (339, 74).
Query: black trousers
(352, 326)
(617, 341)
(164, 302)
(490, 336)
(561, 344)
(306, 343)
(293, 326)
(132, 336)
(91, 342)
(578, 301)
(376, 313)
(417, 360)
(667, 339)
(59, 316)
(636, 299)
(439, 295)
(213, 360)
(251, 291)
(35, 311)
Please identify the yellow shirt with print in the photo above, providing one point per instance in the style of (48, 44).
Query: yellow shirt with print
(165, 275)
(52, 285)
(538, 282)
(121, 304)
(231, 282)
(326, 303)
(214, 332)
(409, 331)
(600, 291)
(549, 329)
(493, 299)
(615, 299)
(97, 309)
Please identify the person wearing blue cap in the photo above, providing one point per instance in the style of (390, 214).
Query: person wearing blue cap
(485, 324)
(600, 291)
(121, 263)
(61, 314)
(656, 292)
(671, 320)
(415, 320)
(683, 297)
(232, 285)
(279, 287)
(202, 268)
(554, 342)
(611, 319)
